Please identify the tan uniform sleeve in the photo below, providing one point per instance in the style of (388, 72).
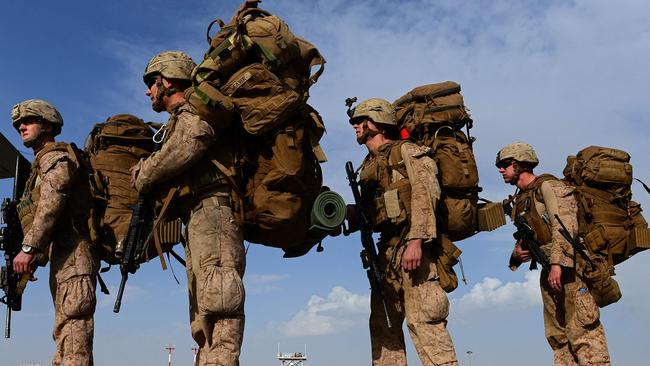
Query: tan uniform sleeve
(559, 200)
(425, 191)
(55, 178)
(190, 139)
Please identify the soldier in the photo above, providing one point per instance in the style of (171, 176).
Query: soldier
(54, 215)
(398, 183)
(194, 159)
(571, 316)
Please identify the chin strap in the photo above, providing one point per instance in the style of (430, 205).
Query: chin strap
(367, 133)
(36, 141)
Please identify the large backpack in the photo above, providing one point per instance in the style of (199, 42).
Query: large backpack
(610, 223)
(434, 115)
(257, 74)
(112, 148)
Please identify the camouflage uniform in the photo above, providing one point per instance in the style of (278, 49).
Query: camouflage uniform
(571, 317)
(416, 296)
(214, 250)
(53, 222)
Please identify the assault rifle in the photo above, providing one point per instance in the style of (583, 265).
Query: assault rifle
(12, 165)
(526, 236)
(369, 252)
(133, 247)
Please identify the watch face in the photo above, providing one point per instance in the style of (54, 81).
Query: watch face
(27, 249)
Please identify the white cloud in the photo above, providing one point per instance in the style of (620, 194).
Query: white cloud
(494, 295)
(255, 279)
(341, 310)
(263, 283)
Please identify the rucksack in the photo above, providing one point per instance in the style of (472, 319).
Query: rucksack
(112, 148)
(434, 115)
(257, 74)
(609, 222)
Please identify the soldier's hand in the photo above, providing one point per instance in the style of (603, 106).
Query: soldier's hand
(555, 278)
(22, 262)
(412, 255)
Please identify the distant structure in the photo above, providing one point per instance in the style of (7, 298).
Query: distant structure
(169, 349)
(292, 359)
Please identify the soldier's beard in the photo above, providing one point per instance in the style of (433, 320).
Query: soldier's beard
(157, 103)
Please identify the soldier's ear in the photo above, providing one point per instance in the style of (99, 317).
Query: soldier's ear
(47, 127)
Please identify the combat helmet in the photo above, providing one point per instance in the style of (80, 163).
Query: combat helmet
(378, 110)
(36, 108)
(171, 65)
(518, 151)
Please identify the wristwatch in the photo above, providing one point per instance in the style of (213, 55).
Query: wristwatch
(27, 249)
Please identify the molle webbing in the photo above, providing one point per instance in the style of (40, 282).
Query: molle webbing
(525, 202)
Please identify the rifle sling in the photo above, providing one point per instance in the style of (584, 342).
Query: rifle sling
(171, 195)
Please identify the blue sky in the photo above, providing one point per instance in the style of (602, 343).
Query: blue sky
(560, 75)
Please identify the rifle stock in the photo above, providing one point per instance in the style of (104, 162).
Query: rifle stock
(369, 252)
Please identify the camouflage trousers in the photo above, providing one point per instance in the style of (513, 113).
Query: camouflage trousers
(572, 323)
(418, 297)
(216, 262)
(73, 277)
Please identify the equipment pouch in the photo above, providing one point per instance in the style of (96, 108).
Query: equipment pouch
(595, 240)
(602, 286)
(447, 255)
(210, 104)
(261, 98)
(391, 201)
(458, 216)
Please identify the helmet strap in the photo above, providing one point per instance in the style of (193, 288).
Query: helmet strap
(367, 133)
(162, 91)
(38, 140)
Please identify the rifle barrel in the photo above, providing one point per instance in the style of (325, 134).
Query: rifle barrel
(120, 292)
(8, 323)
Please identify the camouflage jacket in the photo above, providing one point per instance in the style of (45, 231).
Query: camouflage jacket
(55, 204)
(401, 183)
(192, 158)
(550, 196)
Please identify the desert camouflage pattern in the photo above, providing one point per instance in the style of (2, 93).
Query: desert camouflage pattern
(425, 191)
(214, 250)
(572, 323)
(187, 138)
(74, 264)
(379, 110)
(418, 298)
(215, 267)
(35, 108)
(558, 199)
(519, 151)
(571, 318)
(171, 65)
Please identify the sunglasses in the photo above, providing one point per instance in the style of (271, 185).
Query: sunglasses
(504, 164)
(150, 81)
